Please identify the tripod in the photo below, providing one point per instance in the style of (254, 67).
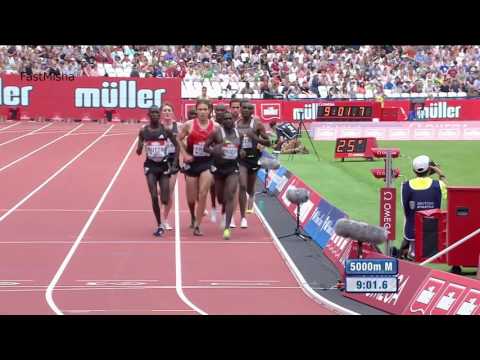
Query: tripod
(301, 125)
(298, 231)
(265, 185)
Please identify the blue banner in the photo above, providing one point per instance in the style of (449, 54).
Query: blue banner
(322, 222)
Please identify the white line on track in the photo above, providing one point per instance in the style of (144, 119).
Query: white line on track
(9, 126)
(128, 310)
(38, 149)
(12, 288)
(297, 274)
(27, 134)
(39, 187)
(151, 242)
(51, 286)
(178, 257)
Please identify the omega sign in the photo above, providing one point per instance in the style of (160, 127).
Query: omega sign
(388, 211)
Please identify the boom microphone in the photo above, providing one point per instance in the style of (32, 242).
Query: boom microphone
(361, 231)
(298, 196)
(269, 163)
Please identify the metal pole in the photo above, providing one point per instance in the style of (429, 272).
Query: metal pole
(451, 247)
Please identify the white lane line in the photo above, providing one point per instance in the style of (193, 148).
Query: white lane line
(27, 134)
(152, 242)
(39, 187)
(307, 289)
(128, 310)
(178, 258)
(61, 269)
(38, 149)
(10, 126)
(13, 288)
(89, 210)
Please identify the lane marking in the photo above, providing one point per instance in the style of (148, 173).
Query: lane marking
(178, 257)
(41, 288)
(128, 310)
(10, 126)
(39, 187)
(307, 289)
(27, 134)
(164, 241)
(38, 149)
(61, 269)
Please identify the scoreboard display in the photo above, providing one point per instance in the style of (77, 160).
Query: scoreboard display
(355, 148)
(349, 111)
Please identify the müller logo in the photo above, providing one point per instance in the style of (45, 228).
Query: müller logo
(439, 110)
(122, 94)
(308, 112)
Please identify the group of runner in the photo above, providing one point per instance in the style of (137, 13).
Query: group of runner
(217, 154)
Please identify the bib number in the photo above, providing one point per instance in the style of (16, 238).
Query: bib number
(198, 150)
(170, 147)
(156, 150)
(230, 152)
(247, 143)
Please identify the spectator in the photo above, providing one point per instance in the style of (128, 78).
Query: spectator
(204, 95)
(247, 89)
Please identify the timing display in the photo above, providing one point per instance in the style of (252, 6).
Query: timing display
(345, 111)
(371, 284)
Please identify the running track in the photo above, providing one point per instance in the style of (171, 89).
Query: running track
(75, 236)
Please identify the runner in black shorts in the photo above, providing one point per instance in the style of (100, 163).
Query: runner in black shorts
(252, 133)
(154, 137)
(224, 145)
(167, 119)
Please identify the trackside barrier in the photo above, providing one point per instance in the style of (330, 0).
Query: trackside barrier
(421, 290)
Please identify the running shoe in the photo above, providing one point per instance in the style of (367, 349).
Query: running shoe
(226, 234)
(213, 215)
(160, 231)
(243, 223)
(232, 223)
(167, 226)
(249, 211)
(197, 232)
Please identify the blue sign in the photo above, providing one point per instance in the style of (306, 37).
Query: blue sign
(371, 266)
(322, 222)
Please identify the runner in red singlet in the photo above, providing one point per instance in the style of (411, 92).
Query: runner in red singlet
(197, 162)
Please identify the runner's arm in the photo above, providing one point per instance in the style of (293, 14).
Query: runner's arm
(212, 140)
(182, 134)
(140, 142)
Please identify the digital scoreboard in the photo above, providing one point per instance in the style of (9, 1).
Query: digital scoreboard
(371, 275)
(355, 148)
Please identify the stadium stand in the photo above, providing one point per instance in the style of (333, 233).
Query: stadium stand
(307, 71)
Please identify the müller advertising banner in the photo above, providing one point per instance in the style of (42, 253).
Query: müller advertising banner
(78, 97)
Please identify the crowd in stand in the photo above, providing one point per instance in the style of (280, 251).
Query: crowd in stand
(272, 71)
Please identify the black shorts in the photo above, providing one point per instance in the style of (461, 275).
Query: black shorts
(251, 164)
(195, 168)
(158, 169)
(171, 163)
(224, 171)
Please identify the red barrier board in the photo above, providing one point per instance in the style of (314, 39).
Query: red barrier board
(444, 293)
(307, 208)
(90, 97)
(338, 251)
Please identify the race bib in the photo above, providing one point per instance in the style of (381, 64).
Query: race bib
(170, 147)
(156, 150)
(230, 152)
(247, 143)
(198, 150)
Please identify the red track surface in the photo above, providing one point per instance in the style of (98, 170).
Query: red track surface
(118, 266)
